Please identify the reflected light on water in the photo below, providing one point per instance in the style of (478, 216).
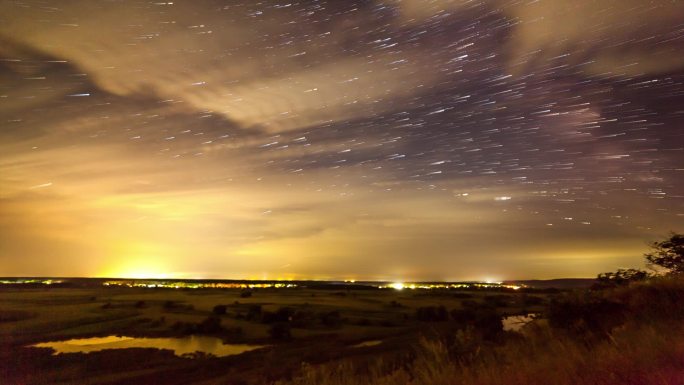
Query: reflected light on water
(515, 323)
(180, 346)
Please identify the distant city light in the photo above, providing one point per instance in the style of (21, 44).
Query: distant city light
(199, 285)
(275, 284)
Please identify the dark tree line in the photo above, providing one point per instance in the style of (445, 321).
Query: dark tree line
(666, 257)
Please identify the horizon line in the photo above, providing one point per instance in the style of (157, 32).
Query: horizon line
(354, 281)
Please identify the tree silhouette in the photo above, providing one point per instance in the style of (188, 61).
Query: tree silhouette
(668, 254)
(621, 277)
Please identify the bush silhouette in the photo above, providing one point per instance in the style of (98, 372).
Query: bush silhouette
(432, 314)
(211, 324)
(482, 320)
(589, 315)
(667, 254)
(331, 319)
(280, 331)
(219, 309)
(283, 314)
(620, 278)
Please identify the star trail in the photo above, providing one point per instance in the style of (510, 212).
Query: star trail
(391, 140)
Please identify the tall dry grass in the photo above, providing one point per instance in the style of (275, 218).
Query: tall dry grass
(647, 348)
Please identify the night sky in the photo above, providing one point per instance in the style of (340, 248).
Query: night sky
(392, 140)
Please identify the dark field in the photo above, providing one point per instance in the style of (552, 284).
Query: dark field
(347, 335)
(298, 325)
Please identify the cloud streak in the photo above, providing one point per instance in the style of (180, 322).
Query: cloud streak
(377, 140)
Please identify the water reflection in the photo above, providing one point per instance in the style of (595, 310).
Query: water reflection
(516, 322)
(367, 343)
(180, 346)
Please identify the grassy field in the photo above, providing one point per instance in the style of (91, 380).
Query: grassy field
(627, 334)
(297, 324)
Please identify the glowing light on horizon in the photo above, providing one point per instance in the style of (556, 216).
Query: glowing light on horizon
(141, 269)
(492, 281)
(144, 275)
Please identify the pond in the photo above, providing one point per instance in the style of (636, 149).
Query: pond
(516, 322)
(367, 343)
(180, 346)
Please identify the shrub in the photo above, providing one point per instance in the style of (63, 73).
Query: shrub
(280, 331)
(531, 300)
(184, 328)
(432, 314)
(656, 299)
(253, 312)
(210, 325)
(303, 319)
(219, 309)
(395, 304)
(331, 319)
(483, 320)
(470, 303)
(619, 278)
(283, 314)
(585, 315)
(498, 300)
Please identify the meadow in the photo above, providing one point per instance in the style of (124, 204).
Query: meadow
(629, 335)
(624, 334)
(297, 325)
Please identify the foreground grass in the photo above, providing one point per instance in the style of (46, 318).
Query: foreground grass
(628, 335)
(643, 345)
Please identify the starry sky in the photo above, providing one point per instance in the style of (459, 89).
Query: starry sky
(387, 140)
